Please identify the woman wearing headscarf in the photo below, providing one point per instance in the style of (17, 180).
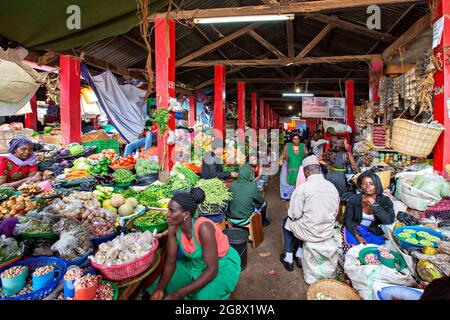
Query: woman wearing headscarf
(246, 199)
(291, 160)
(19, 165)
(367, 212)
(209, 268)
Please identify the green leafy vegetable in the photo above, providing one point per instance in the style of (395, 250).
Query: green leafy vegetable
(123, 175)
(216, 193)
(162, 116)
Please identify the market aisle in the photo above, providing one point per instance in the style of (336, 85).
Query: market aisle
(255, 281)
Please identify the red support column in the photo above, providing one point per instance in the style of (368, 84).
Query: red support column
(165, 80)
(442, 80)
(219, 101)
(266, 118)
(254, 112)
(241, 109)
(374, 80)
(192, 111)
(350, 101)
(261, 114)
(31, 118)
(70, 99)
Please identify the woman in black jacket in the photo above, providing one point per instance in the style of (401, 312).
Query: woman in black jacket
(366, 212)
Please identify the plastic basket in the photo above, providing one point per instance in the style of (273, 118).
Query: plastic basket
(150, 227)
(104, 144)
(123, 184)
(127, 270)
(414, 139)
(34, 263)
(374, 250)
(5, 263)
(406, 245)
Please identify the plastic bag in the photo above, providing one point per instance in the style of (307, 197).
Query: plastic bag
(9, 248)
(66, 243)
(407, 219)
(320, 260)
(445, 190)
(432, 185)
(427, 271)
(444, 247)
(363, 277)
(7, 226)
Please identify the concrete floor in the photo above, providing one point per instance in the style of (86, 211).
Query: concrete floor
(265, 277)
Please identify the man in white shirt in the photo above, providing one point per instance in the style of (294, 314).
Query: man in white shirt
(317, 144)
(311, 215)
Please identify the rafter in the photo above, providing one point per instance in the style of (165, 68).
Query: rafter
(215, 45)
(291, 7)
(306, 80)
(354, 28)
(266, 44)
(290, 39)
(314, 42)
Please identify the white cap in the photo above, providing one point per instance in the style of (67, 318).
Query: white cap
(311, 160)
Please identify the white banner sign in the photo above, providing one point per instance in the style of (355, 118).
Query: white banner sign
(317, 107)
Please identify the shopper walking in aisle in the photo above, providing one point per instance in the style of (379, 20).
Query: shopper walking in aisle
(209, 269)
(291, 160)
(311, 215)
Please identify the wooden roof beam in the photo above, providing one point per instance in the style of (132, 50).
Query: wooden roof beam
(354, 28)
(283, 62)
(417, 29)
(280, 80)
(266, 44)
(215, 45)
(314, 42)
(291, 7)
(290, 39)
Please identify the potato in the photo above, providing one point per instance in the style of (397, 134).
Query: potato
(11, 203)
(20, 199)
(13, 212)
(20, 207)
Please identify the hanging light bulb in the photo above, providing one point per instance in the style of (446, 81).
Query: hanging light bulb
(297, 89)
(290, 107)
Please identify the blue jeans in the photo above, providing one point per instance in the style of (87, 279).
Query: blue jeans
(133, 146)
(291, 242)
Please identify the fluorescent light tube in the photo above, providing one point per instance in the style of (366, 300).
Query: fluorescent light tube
(298, 94)
(270, 17)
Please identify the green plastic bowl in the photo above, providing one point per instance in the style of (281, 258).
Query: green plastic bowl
(115, 288)
(123, 184)
(398, 258)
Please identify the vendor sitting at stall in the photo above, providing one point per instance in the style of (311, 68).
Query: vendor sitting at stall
(209, 269)
(146, 136)
(19, 165)
(212, 166)
(247, 199)
(366, 212)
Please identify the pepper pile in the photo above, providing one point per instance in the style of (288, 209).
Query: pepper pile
(102, 167)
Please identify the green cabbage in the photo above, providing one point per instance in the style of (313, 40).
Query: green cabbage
(82, 163)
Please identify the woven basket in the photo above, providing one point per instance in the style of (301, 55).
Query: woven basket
(127, 270)
(414, 139)
(385, 177)
(333, 289)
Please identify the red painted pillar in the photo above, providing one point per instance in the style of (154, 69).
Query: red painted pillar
(31, 118)
(165, 80)
(261, 114)
(254, 112)
(219, 101)
(350, 101)
(374, 80)
(442, 80)
(70, 99)
(241, 108)
(192, 111)
(266, 118)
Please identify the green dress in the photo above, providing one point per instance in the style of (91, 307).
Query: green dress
(191, 266)
(294, 161)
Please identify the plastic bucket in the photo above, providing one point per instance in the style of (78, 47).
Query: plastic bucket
(15, 284)
(238, 239)
(42, 281)
(86, 294)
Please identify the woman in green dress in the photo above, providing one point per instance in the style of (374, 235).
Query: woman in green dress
(209, 268)
(291, 160)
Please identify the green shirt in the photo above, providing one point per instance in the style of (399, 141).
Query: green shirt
(245, 194)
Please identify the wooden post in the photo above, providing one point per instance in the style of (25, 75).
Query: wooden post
(266, 118)
(241, 109)
(350, 101)
(374, 80)
(261, 114)
(254, 112)
(442, 80)
(31, 118)
(219, 101)
(70, 99)
(192, 111)
(165, 79)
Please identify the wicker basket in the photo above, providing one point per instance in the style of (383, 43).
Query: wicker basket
(385, 177)
(333, 289)
(127, 270)
(414, 139)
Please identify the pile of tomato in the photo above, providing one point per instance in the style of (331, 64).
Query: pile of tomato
(124, 162)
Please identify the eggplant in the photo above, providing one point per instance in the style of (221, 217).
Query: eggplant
(64, 152)
(65, 164)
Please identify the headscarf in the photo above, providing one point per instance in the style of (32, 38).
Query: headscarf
(189, 200)
(17, 143)
(376, 181)
(246, 174)
(218, 143)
